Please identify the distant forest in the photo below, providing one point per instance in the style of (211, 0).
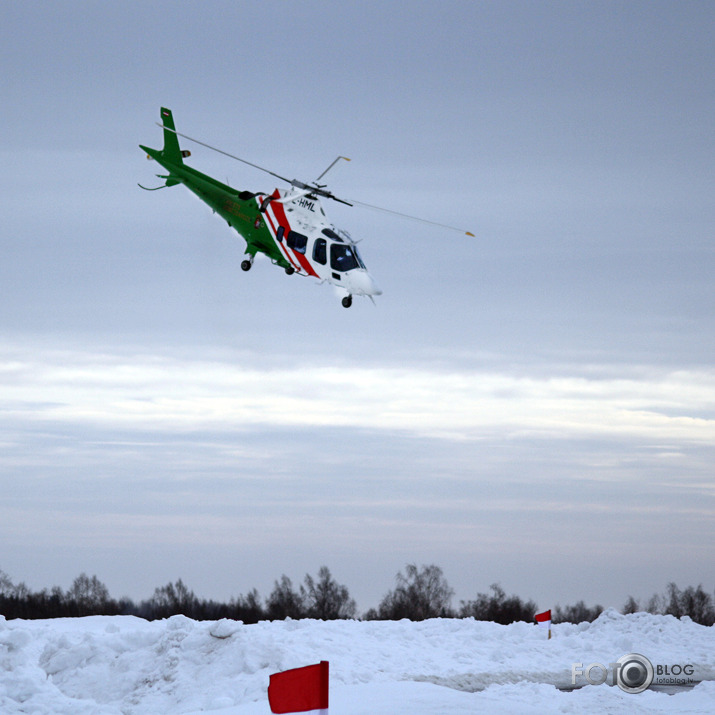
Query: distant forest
(419, 593)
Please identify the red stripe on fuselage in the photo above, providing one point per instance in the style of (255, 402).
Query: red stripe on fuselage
(280, 214)
(271, 221)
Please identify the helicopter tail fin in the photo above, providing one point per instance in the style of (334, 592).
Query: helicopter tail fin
(171, 150)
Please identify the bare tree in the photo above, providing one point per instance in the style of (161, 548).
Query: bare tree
(692, 602)
(631, 606)
(419, 594)
(172, 599)
(326, 598)
(284, 602)
(6, 586)
(578, 613)
(89, 594)
(655, 604)
(498, 607)
(248, 608)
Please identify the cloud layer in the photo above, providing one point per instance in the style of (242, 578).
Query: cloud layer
(119, 450)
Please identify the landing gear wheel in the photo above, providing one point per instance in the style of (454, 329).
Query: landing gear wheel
(290, 270)
(246, 265)
(347, 301)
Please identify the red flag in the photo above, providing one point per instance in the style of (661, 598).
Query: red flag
(544, 619)
(300, 689)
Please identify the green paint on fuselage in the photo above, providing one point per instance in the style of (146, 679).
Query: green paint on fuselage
(240, 209)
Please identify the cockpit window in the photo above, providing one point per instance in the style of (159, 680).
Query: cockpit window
(344, 257)
(297, 241)
(331, 234)
(320, 251)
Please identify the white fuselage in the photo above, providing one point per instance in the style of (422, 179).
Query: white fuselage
(313, 246)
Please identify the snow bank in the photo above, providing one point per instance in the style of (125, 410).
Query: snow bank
(128, 666)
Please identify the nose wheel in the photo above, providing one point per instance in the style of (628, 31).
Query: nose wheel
(246, 264)
(347, 301)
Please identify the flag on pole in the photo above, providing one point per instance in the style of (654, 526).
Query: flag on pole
(299, 689)
(544, 620)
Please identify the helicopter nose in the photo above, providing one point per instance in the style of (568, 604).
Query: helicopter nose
(366, 284)
(375, 288)
(360, 282)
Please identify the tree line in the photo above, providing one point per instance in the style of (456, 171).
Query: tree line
(419, 593)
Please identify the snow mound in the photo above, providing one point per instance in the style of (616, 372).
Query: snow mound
(127, 666)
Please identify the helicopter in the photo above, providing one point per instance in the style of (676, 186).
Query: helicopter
(289, 226)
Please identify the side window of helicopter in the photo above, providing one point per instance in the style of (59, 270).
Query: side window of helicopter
(342, 257)
(279, 233)
(331, 234)
(297, 241)
(320, 252)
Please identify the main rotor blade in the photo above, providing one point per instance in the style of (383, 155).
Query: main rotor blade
(320, 190)
(412, 218)
(330, 167)
(225, 153)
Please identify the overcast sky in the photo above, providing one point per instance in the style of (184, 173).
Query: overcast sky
(534, 406)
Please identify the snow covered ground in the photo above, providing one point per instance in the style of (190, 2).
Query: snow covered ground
(126, 665)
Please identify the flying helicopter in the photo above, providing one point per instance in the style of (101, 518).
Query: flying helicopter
(289, 226)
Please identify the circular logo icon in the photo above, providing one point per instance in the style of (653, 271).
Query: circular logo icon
(635, 673)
